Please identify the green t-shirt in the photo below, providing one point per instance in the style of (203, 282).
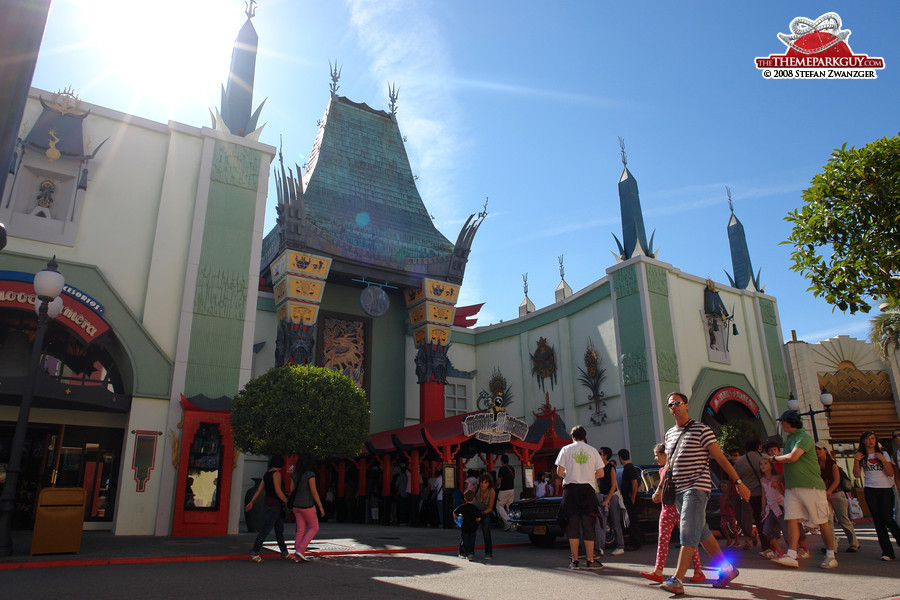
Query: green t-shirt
(804, 472)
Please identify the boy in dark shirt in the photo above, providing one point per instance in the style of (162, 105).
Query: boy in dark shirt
(470, 517)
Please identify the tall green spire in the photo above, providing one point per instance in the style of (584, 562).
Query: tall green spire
(633, 233)
(237, 94)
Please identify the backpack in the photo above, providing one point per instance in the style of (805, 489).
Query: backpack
(846, 484)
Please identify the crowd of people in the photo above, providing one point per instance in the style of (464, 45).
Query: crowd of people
(768, 492)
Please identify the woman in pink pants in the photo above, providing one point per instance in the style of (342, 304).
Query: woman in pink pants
(304, 501)
(668, 519)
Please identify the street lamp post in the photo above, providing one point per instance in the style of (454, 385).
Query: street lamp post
(825, 398)
(48, 284)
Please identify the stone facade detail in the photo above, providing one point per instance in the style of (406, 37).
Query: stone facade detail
(657, 281)
(667, 366)
(236, 165)
(634, 367)
(221, 293)
(625, 282)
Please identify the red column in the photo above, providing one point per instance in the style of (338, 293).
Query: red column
(431, 401)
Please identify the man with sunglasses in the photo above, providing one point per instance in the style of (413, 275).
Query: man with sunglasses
(689, 467)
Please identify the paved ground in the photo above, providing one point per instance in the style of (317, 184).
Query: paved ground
(364, 562)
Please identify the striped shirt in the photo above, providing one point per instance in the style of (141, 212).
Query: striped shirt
(690, 466)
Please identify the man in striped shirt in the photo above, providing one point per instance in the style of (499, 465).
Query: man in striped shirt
(689, 446)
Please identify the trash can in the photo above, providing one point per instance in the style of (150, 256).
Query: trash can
(58, 521)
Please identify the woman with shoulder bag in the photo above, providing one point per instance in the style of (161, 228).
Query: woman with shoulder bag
(304, 501)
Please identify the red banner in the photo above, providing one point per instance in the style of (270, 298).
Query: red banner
(732, 393)
(75, 315)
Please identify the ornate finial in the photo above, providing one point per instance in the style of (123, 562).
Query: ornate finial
(562, 270)
(280, 146)
(250, 11)
(730, 205)
(525, 281)
(65, 101)
(335, 77)
(483, 213)
(393, 95)
(622, 149)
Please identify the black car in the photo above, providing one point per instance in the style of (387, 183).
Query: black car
(537, 516)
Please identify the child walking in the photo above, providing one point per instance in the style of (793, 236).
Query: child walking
(467, 516)
(728, 523)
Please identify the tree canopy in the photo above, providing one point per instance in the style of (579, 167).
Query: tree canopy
(300, 409)
(846, 236)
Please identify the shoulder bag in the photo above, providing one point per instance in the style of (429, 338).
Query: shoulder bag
(667, 485)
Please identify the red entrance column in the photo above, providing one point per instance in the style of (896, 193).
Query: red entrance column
(431, 401)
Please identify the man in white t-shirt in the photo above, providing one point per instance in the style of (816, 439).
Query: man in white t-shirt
(580, 465)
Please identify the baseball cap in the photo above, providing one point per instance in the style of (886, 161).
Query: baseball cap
(823, 445)
(789, 415)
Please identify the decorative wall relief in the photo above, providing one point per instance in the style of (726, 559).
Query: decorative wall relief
(432, 363)
(592, 376)
(767, 311)
(221, 293)
(235, 165)
(667, 366)
(625, 282)
(543, 363)
(294, 344)
(634, 367)
(657, 281)
(344, 347)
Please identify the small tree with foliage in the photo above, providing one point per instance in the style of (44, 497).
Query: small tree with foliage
(299, 409)
(735, 434)
(846, 236)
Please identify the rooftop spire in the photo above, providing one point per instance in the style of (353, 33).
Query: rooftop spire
(335, 77)
(740, 254)
(526, 306)
(563, 290)
(237, 94)
(633, 234)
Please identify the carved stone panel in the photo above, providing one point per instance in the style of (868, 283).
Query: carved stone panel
(634, 367)
(657, 282)
(625, 282)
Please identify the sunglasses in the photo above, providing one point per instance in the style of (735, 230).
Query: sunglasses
(676, 403)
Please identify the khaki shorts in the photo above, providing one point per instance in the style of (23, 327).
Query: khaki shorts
(806, 504)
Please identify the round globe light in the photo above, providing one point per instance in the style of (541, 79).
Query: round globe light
(49, 282)
(793, 403)
(825, 398)
(54, 307)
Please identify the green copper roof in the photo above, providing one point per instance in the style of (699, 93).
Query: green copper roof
(359, 188)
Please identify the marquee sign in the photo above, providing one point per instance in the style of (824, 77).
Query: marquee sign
(728, 394)
(80, 313)
(494, 428)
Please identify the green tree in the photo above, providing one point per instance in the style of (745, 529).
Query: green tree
(301, 409)
(735, 434)
(846, 236)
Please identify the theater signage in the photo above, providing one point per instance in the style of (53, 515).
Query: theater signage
(80, 313)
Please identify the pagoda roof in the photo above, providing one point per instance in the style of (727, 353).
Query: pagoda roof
(357, 201)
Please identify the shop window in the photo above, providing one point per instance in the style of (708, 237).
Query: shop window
(204, 469)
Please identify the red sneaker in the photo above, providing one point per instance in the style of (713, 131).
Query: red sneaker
(652, 576)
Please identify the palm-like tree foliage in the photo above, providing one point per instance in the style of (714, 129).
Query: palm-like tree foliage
(884, 331)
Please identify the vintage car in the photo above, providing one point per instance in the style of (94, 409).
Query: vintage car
(537, 516)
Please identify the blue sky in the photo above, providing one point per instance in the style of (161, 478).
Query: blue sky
(522, 102)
